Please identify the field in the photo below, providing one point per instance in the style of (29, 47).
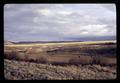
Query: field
(67, 60)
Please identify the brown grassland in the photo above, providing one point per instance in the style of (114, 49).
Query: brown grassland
(49, 61)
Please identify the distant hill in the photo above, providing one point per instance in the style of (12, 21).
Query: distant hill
(8, 42)
(93, 38)
(28, 42)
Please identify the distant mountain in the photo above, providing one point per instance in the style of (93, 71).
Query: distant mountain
(27, 42)
(8, 42)
(70, 39)
(93, 38)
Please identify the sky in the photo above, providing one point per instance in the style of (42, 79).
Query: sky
(58, 22)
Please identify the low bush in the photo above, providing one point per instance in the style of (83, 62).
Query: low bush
(74, 61)
(59, 63)
(11, 55)
(41, 60)
(107, 61)
(84, 60)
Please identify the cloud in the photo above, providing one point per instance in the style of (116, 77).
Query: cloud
(65, 12)
(82, 31)
(57, 21)
(45, 12)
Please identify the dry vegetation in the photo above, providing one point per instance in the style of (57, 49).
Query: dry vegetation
(19, 70)
(61, 57)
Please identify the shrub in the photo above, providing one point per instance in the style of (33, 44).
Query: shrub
(83, 60)
(6, 55)
(107, 61)
(96, 60)
(74, 61)
(110, 43)
(11, 55)
(59, 63)
(41, 60)
(26, 58)
(14, 55)
(31, 60)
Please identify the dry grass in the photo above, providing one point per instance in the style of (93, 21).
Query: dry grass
(59, 59)
(62, 56)
(17, 70)
(103, 54)
(84, 60)
(60, 44)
